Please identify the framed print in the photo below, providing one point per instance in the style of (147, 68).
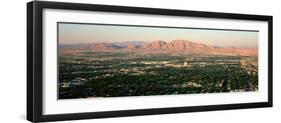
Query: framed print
(89, 61)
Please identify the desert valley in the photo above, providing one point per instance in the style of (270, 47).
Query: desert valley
(137, 68)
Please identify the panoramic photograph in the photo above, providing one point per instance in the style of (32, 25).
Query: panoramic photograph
(107, 60)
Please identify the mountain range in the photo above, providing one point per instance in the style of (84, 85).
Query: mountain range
(159, 46)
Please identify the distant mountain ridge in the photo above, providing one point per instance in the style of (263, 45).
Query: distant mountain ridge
(126, 43)
(177, 45)
(102, 45)
(159, 46)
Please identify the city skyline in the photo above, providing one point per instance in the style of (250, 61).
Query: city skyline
(73, 33)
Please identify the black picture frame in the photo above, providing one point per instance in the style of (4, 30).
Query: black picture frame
(35, 69)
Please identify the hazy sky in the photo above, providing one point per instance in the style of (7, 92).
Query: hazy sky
(86, 33)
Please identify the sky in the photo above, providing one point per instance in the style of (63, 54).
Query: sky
(71, 33)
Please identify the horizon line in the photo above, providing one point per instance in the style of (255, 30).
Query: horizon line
(153, 41)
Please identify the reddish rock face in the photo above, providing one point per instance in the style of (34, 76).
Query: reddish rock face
(184, 46)
(175, 46)
(102, 46)
(155, 45)
(130, 46)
